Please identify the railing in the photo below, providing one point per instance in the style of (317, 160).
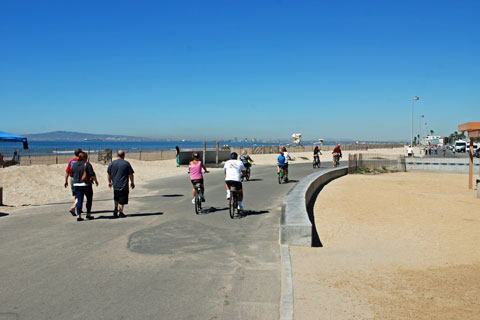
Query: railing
(367, 161)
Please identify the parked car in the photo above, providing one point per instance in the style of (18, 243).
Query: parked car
(477, 153)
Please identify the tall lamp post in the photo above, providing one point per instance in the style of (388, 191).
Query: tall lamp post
(420, 125)
(413, 100)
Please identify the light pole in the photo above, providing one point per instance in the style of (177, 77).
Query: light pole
(413, 100)
(420, 124)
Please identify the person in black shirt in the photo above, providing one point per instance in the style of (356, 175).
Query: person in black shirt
(119, 171)
(83, 184)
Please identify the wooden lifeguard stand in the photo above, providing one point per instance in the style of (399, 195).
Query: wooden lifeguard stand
(473, 130)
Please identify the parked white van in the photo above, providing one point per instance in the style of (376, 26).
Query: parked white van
(460, 146)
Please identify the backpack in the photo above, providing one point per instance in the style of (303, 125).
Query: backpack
(244, 159)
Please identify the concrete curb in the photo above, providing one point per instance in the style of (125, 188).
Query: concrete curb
(297, 227)
(287, 285)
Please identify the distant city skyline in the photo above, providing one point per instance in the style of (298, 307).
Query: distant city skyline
(217, 70)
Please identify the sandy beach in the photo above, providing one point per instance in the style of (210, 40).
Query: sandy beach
(395, 246)
(41, 184)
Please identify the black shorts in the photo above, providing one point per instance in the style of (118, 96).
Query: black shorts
(236, 184)
(197, 181)
(285, 166)
(121, 196)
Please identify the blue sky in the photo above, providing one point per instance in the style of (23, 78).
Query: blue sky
(220, 69)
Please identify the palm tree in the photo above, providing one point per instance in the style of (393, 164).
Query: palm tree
(431, 132)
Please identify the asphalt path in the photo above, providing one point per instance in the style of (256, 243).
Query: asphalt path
(448, 154)
(161, 262)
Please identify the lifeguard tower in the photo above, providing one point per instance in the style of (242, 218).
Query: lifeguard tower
(473, 130)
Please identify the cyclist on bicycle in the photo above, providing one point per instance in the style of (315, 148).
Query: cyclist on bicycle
(234, 171)
(195, 169)
(287, 157)
(337, 154)
(316, 155)
(281, 164)
(245, 158)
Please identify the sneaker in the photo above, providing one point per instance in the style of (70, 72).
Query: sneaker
(193, 200)
(72, 212)
(203, 198)
(115, 214)
(80, 219)
(122, 215)
(89, 217)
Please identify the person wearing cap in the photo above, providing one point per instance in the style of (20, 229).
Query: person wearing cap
(195, 169)
(234, 171)
(118, 173)
(337, 152)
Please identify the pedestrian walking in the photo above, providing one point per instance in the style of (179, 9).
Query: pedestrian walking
(119, 172)
(69, 176)
(177, 155)
(83, 178)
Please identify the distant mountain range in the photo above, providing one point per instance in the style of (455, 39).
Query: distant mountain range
(79, 136)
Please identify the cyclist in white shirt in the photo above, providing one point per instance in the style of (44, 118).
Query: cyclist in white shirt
(234, 171)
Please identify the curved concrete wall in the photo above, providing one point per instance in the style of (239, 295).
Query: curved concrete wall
(297, 225)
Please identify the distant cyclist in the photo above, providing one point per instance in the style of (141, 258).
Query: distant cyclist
(245, 158)
(316, 155)
(234, 171)
(287, 157)
(337, 154)
(195, 169)
(281, 163)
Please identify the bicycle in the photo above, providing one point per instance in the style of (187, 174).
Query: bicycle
(247, 173)
(233, 202)
(198, 198)
(337, 160)
(316, 161)
(281, 175)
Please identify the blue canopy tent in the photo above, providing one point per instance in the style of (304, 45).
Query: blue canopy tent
(8, 137)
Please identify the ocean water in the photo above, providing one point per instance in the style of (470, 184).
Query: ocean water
(48, 147)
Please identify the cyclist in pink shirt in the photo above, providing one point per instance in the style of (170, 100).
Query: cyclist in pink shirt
(195, 169)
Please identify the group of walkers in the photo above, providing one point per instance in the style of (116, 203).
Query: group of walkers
(81, 176)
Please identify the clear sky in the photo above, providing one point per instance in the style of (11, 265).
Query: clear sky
(220, 69)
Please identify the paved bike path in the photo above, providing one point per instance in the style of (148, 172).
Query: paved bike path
(161, 262)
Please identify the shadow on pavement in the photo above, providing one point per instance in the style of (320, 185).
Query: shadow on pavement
(145, 214)
(253, 180)
(3, 214)
(102, 211)
(254, 213)
(172, 195)
(213, 210)
(111, 217)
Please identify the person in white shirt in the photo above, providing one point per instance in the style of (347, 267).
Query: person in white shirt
(234, 170)
(410, 151)
(287, 157)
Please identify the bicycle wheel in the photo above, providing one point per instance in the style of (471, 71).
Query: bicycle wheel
(232, 202)
(280, 176)
(247, 173)
(198, 202)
